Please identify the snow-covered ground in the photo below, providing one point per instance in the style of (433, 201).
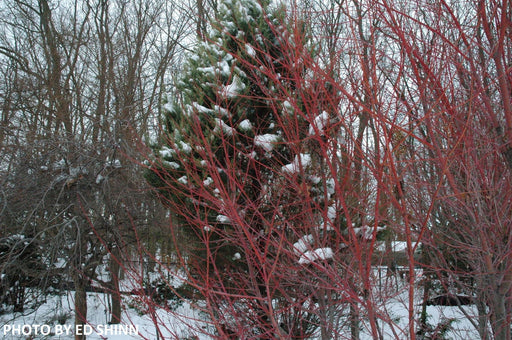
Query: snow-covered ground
(55, 320)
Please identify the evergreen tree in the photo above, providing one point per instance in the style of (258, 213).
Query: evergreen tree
(243, 169)
(222, 125)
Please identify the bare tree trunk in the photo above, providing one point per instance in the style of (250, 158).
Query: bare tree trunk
(59, 98)
(501, 326)
(80, 304)
(483, 331)
(422, 323)
(354, 322)
(115, 295)
(100, 114)
(323, 313)
(201, 20)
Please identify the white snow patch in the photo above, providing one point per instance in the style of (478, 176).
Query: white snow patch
(116, 163)
(233, 89)
(172, 165)
(396, 246)
(169, 107)
(324, 226)
(183, 180)
(301, 161)
(60, 164)
(220, 125)
(331, 213)
(366, 232)
(245, 125)
(165, 152)
(185, 147)
(223, 219)
(201, 108)
(222, 111)
(331, 185)
(250, 50)
(266, 141)
(319, 124)
(252, 155)
(303, 244)
(208, 70)
(99, 178)
(315, 255)
(315, 179)
(237, 256)
(288, 107)
(223, 68)
(207, 182)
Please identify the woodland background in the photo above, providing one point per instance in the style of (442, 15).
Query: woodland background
(344, 141)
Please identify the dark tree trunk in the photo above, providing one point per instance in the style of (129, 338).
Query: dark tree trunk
(115, 295)
(80, 304)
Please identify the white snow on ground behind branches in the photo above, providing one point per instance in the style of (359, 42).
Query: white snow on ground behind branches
(175, 325)
(390, 294)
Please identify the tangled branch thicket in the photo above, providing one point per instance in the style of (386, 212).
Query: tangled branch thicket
(295, 161)
(322, 163)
